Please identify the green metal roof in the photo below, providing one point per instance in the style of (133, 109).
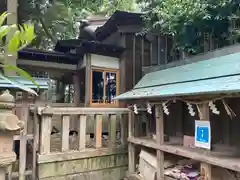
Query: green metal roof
(42, 82)
(217, 75)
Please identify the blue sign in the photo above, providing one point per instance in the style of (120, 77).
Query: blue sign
(203, 134)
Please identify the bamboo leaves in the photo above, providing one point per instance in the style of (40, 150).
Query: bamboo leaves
(13, 38)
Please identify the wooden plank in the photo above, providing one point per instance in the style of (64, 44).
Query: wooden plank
(79, 111)
(131, 148)
(98, 131)
(65, 133)
(112, 130)
(216, 159)
(205, 169)
(82, 131)
(45, 136)
(123, 128)
(23, 139)
(160, 141)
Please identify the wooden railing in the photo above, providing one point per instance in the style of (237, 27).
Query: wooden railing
(112, 114)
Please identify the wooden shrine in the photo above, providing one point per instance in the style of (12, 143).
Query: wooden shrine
(192, 117)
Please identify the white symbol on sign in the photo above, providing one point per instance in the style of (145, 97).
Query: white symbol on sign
(202, 133)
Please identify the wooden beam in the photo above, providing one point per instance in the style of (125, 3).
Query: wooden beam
(213, 158)
(205, 168)
(23, 136)
(35, 143)
(160, 141)
(12, 8)
(79, 111)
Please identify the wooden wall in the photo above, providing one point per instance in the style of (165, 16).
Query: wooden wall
(224, 129)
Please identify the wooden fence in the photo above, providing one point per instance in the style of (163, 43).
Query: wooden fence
(35, 145)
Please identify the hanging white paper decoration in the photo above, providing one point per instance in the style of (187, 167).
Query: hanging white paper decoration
(191, 110)
(165, 108)
(213, 108)
(135, 109)
(149, 108)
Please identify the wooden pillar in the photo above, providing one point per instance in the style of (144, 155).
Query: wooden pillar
(88, 81)
(12, 7)
(159, 50)
(76, 82)
(134, 60)
(131, 148)
(122, 70)
(205, 169)
(23, 136)
(160, 141)
(142, 50)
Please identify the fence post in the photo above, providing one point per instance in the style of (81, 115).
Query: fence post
(45, 134)
(98, 131)
(112, 128)
(82, 131)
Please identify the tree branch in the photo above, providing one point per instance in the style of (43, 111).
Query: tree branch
(45, 28)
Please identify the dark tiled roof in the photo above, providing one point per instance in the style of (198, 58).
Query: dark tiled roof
(82, 47)
(49, 56)
(119, 18)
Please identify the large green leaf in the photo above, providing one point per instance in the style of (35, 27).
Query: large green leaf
(3, 31)
(3, 17)
(14, 42)
(21, 73)
(18, 85)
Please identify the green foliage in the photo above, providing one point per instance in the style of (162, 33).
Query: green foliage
(13, 38)
(188, 20)
(60, 19)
